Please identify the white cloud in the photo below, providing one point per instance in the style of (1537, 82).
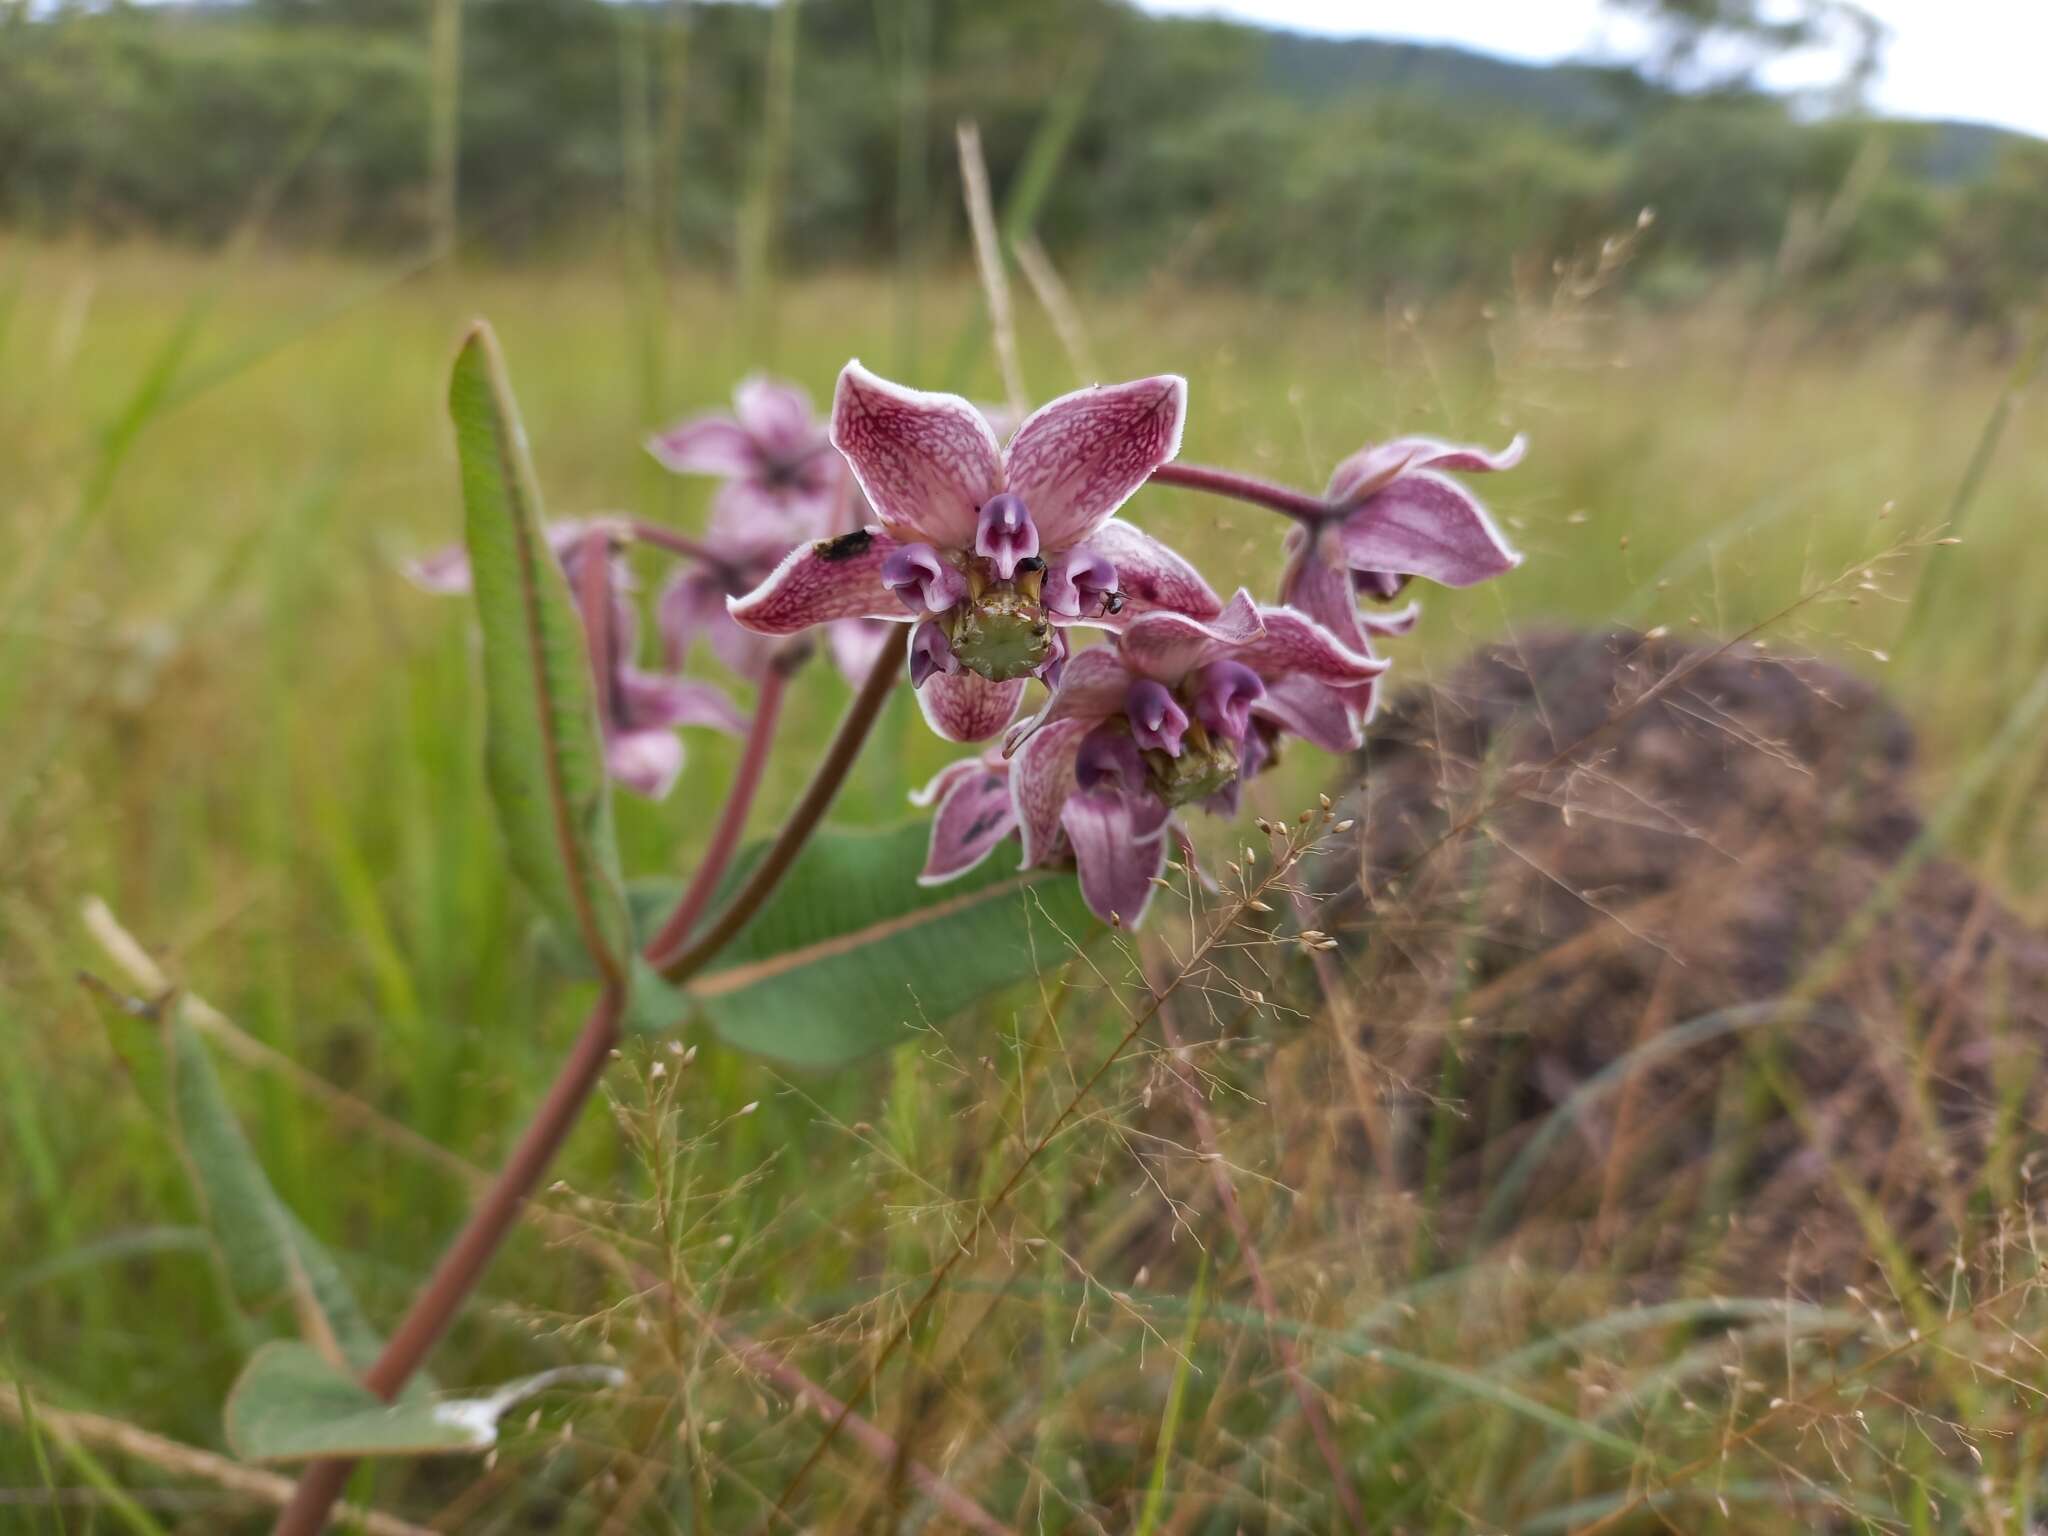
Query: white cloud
(1974, 59)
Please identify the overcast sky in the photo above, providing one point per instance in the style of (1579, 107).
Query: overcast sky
(1983, 60)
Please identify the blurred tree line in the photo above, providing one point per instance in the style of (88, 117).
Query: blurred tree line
(1203, 149)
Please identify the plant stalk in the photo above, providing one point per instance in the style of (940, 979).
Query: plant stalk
(1260, 493)
(499, 1207)
(803, 819)
(739, 800)
(464, 1263)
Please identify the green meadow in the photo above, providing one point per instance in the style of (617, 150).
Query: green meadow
(226, 716)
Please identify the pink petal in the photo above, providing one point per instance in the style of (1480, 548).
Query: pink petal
(974, 815)
(1080, 457)
(706, 445)
(965, 706)
(855, 644)
(646, 762)
(1149, 575)
(926, 461)
(1424, 525)
(1092, 688)
(1373, 468)
(1169, 645)
(1327, 717)
(1041, 779)
(1318, 584)
(755, 523)
(444, 573)
(1116, 860)
(939, 784)
(777, 415)
(832, 579)
(649, 701)
(1294, 645)
(692, 608)
(1390, 621)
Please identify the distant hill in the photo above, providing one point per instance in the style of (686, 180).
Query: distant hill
(1321, 67)
(1312, 68)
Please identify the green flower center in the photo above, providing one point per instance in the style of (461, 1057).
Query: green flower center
(1206, 765)
(1001, 631)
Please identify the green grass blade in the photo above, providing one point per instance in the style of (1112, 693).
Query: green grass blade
(543, 756)
(1176, 1400)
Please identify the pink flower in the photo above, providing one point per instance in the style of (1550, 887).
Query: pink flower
(990, 552)
(1400, 516)
(1176, 710)
(638, 710)
(781, 477)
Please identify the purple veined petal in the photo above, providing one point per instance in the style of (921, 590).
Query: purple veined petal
(1041, 779)
(855, 643)
(1224, 692)
(1076, 582)
(1108, 758)
(1117, 864)
(1148, 574)
(974, 816)
(965, 706)
(1168, 645)
(706, 445)
(926, 462)
(777, 415)
(1005, 534)
(931, 653)
(646, 762)
(1092, 688)
(1293, 644)
(1424, 525)
(1397, 621)
(1328, 717)
(939, 784)
(1077, 459)
(923, 580)
(1376, 466)
(1378, 586)
(1158, 723)
(1317, 583)
(831, 579)
(648, 701)
(1054, 667)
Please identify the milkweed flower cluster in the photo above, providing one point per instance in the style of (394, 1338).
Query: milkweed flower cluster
(1013, 565)
(1001, 556)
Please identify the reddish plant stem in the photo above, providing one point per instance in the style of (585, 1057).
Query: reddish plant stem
(804, 816)
(1260, 493)
(725, 840)
(1262, 1289)
(464, 1263)
(659, 537)
(500, 1205)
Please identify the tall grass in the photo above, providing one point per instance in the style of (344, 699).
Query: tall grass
(225, 715)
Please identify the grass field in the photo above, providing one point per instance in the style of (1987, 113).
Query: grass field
(223, 712)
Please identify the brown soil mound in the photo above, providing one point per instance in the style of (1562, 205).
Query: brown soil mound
(1692, 965)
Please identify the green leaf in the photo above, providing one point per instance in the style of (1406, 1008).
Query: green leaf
(852, 953)
(544, 758)
(289, 1404)
(266, 1256)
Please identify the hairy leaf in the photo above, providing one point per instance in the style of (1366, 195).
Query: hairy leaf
(544, 758)
(852, 953)
(289, 1404)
